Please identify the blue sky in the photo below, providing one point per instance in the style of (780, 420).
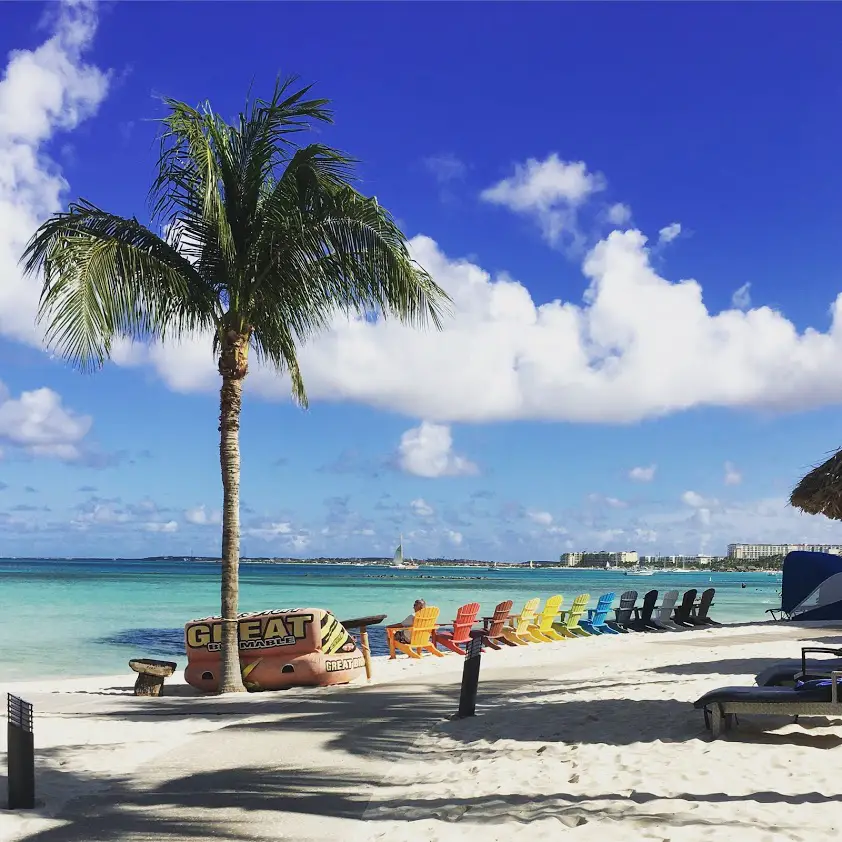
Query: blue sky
(562, 170)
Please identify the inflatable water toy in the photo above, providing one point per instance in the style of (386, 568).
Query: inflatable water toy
(278, 649)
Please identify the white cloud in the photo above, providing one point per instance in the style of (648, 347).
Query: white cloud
(161, 526)
(39, 423)
(454, 537)
(98, 513)
(741, 299)
(669, 233)
(200, 516)
(639, 346)
(541, 518)
(445, 168)
(611, 502)
(732, 475)
(422, 508)
(643, 473)
(619, 214)
(271, 529)
(548, 190)
(427, 451)
(298, 543)
(694, 499)
(43, 91)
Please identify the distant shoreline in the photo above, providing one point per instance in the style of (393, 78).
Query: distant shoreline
(469, 564)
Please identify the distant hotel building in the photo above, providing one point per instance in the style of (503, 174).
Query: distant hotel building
(599, 559)
(752, 552)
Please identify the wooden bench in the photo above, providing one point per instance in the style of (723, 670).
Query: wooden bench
(151, 675)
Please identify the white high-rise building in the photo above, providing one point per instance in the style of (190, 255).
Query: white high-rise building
(752, 552)
(624, 557)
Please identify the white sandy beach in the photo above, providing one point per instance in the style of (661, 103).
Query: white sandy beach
(582, 738)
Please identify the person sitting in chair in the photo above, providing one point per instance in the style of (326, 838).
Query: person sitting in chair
(401, 636)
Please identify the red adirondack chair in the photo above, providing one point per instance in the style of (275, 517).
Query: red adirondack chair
(492, 632)
(454, 640)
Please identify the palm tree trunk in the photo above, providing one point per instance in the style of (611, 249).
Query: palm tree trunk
(233, 366)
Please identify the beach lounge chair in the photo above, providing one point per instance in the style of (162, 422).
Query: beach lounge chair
(787, 673)
(518, 632)
(811, 698)
(699, 617)
(420, 635)
(643, 616)
(623, 614)
(492, 627)
(662, 614)
(568, 626)
(460, 634)
(682, 613)
(595, 623)
(543, 626)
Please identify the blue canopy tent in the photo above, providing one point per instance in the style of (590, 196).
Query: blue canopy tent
(812, 586)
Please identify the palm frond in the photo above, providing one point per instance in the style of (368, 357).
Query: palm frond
(105, 277)
(329, 245)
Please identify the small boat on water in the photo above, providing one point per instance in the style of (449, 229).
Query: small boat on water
(399, 562)
(640, 571)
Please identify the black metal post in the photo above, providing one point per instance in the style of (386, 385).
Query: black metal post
(470, 678)
(21, 755)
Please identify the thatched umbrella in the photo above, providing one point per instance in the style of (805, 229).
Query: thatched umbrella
(820, 492)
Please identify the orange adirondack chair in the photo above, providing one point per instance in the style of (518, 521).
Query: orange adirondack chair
(465, 618)
(419, 634)
(492, 632)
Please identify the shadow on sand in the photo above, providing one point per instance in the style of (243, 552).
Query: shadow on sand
(384, 723)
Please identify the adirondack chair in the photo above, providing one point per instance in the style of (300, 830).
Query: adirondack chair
(682, 613)
(643, 616)
(699, 617)
(569, 625)
(543, 626)
(623, 614)
(492, 627)
(595, 623)
(453, 640)
(518, 634)
(420, 635)
(661, 616)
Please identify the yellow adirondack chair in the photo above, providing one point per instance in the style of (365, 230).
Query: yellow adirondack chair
(569, 625)
(543, 627)
(518, 633)
(419, 634)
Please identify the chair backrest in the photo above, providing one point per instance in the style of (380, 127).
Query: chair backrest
(498, 620)
(667, 604)
(627, 601)
(577, 610)
(705, 603)
(686, 607)
(649, 600)
(422, 626)
(527, 616)
(466, 616)
(549, 612)
(603, 606)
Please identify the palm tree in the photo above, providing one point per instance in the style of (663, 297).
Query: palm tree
(263, 241)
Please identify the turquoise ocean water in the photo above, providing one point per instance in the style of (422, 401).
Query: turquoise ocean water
(61, 618)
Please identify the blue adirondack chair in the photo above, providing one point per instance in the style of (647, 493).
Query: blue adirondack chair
(595, 624)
